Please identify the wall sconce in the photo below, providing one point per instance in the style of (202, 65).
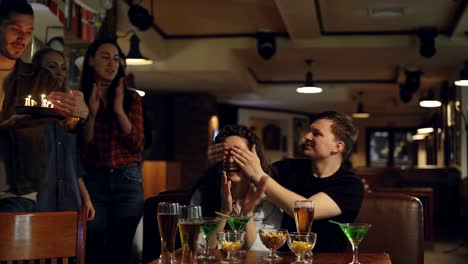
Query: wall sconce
(309, 84)
(429, 100)
(463, 81)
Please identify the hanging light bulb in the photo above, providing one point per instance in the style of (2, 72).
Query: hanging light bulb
(134, 56)
(463, 81)
(360, 113)
(309, 84)
(429, 100)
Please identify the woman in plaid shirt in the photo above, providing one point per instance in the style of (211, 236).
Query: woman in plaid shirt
(113, 140)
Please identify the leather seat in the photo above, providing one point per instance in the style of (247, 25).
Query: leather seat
(397, 226)
(151, 238)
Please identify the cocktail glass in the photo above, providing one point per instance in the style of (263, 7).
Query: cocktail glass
(208, 226)
(231, 242)
(273, 239)
(300, 244)
(355, 232)
(168, 214)
(237, 223)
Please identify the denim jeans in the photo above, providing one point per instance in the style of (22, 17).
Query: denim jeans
(117, 196)
(17, 204)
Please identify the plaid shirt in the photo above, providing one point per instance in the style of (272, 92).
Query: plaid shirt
(109, 148)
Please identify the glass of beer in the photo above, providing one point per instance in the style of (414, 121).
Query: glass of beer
(304, 215)
(189, 230)
(168, 214)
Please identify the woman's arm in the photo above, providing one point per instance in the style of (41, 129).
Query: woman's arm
(90, 212)
(131, 124)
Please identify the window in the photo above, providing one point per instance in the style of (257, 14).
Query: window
(389, 147)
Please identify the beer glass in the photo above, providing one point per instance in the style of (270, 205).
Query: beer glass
(189, 230)
(168, 214)
(304, 215)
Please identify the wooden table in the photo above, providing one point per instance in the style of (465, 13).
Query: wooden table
(253, 257)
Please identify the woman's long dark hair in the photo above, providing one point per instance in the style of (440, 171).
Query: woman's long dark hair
(88, 77)
(209, 184)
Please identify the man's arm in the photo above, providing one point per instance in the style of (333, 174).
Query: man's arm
(325, 206)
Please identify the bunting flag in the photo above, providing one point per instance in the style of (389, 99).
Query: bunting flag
(85, 20)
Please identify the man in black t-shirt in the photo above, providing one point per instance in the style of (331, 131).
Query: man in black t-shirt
(337, 193)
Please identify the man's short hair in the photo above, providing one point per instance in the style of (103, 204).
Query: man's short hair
(14, 6)
(343, 129)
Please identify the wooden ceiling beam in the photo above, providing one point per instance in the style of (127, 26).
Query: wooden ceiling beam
(300, 18)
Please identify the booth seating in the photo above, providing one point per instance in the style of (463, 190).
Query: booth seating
(397, 226)
(43, 236)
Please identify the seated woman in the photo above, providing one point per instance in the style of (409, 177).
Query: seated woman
(227, 190)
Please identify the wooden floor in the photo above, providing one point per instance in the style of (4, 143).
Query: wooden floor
(453, 252)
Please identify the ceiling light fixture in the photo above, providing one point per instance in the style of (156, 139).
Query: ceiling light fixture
(134, 56)
(266, 43)
(360, 113)
(427, 46)
(386, 11)
(429, 100)
(309, 85)
(463, 81)
(411, 84)
(418, 137)
(425, 130)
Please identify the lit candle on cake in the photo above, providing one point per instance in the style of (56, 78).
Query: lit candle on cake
(27, 101)
(43, 101)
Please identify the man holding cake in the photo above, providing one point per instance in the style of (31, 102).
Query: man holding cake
(23, 159)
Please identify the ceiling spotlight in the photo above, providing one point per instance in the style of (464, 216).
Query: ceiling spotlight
(411, 84)
(429, 100)
(463, 81)
(360, 113)
(139, 17)
(266, 44)
(134, 56)
(427, 47)
(309, 85)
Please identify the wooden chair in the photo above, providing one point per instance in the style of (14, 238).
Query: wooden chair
(41, 236)
(397, 226)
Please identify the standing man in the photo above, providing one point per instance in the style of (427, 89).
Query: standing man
(336, 192)
(23, 159)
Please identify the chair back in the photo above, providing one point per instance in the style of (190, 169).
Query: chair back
(397, 226)
(42, 236)
(151, 237)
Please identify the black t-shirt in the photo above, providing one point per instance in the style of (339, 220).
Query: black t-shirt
(344, 187)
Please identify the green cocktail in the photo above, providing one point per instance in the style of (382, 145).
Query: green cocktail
(355, 232)
(237, 223)
(208, 226)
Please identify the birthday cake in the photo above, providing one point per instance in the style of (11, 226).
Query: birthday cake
(44, 110)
